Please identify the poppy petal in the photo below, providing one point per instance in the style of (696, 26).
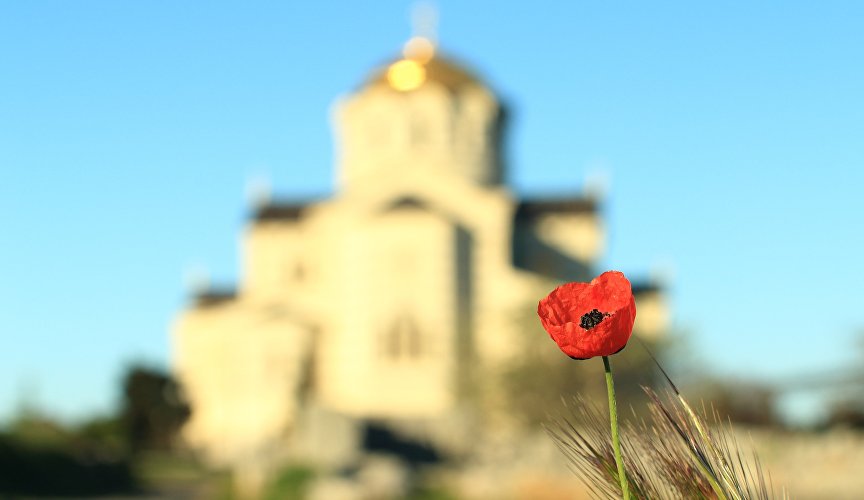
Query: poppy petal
(561, 314)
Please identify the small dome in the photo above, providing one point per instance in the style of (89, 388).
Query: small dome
(420, 64)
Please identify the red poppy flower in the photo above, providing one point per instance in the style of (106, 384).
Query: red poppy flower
(590, 319)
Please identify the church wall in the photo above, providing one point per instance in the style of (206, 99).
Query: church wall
(373, 131)
(477, 127)
(381, 129)
(241, 371)
(579, 236)
(559, 245)
(390, 349)
(652, 318)
(272, 259)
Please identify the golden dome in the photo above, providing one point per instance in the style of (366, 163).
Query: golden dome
(406, 74)
(421, 64)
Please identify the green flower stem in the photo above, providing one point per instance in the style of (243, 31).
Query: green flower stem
(613, 421)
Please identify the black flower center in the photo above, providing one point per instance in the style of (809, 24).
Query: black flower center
(591, 319)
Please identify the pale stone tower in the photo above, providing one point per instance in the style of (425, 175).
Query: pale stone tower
(421, 213)
(421, 113)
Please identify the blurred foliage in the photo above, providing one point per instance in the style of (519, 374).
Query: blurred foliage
(152, 411)
(741, 401)
(431, 492)
(847, 409)
(42, 457)
(39, 457)
(107, 431)
(290, 482)
(849, 414)
(175, 474)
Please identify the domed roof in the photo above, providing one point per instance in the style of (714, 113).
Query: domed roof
(422, 64)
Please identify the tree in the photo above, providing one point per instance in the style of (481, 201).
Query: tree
(152, 411)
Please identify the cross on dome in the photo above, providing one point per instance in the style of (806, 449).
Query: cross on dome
(421, 61)
(409, 73)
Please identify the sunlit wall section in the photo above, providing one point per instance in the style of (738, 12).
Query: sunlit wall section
(273, 258)
(389, 349)
(241, 370)
(652, 318)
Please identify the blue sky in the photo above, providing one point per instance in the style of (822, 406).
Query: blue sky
(730, 135)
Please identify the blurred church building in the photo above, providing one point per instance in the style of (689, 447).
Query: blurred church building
(377, 303)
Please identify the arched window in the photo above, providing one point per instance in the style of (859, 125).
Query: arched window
(402, 340)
